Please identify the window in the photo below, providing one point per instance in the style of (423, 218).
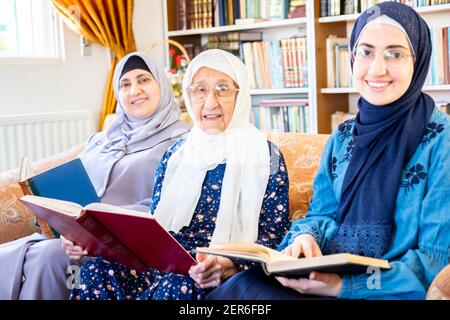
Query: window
(29, 29)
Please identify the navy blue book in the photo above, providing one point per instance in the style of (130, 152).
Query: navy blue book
(68, 181)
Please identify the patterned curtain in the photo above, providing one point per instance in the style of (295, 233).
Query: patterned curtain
(105, 22)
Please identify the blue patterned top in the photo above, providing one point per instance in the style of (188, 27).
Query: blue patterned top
(420, 245)
(274, 219)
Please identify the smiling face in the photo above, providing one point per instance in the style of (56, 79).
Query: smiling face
(139, 93)
(213, 96)
(383, 65)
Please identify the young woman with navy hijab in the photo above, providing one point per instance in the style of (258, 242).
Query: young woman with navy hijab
(383, 186)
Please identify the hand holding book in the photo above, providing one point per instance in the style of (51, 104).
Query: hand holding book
(132, 238)
(212, 270)
(73, 251)
(323, 284)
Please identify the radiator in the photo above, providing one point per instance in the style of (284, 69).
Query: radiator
(37, 136)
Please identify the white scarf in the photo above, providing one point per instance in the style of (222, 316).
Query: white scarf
(241, 146)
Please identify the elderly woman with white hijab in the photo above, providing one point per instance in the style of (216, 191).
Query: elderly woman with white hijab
(382, 188)
(121, 164)
(224, 182)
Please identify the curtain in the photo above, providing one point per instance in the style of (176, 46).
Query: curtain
(105, 22)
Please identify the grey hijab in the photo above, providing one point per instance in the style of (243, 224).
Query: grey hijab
(141, 142)
(126, 131)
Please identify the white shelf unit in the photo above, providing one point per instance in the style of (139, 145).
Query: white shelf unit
(337, 90)
(271, 30)
(429, 88)
(352, 17)
(240, 27)
(281, 91)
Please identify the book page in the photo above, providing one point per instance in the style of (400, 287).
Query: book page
(251, 249)
(65, 207)
(105, 207)
(24, 170)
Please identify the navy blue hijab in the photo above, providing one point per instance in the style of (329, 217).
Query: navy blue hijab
(385, 138)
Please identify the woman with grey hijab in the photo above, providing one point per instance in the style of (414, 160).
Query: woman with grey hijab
(120, 163)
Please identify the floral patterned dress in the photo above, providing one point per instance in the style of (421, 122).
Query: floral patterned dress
(102, 280)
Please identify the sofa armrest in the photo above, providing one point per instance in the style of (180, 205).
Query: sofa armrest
(16, 220)
(440, 287)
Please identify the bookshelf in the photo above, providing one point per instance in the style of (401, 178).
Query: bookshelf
(282, 91)
(323, 101)
(428, 88)
(352, 17)
(271, 30)
(252, 26)
(434, 15)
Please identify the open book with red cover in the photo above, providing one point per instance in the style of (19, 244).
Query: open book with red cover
(129, 237)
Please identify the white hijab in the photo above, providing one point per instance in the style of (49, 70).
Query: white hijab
(241, 146)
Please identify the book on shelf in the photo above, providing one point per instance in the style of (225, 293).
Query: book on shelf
(231, 41)
(279, 264)
(181, 15)
(278, 9)
(337, 65)
(444, 106)
(240, 36)
(198, 14)
(439, 72)
(68, 181)
(342, 63)
(340, 7)
(129, 237)
(294, 59)
(297, 9)
(281, 115)
(339, 117)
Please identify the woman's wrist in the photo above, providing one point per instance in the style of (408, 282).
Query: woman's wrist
(229, 268)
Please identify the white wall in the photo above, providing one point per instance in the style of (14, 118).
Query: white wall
(77, 82)
(73, 84)
(148, 25)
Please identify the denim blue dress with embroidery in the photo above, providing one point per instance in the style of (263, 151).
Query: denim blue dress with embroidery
(102, 279)
(421, 239)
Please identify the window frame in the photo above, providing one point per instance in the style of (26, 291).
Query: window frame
(58, 42)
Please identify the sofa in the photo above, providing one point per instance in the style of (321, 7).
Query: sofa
(301, 152)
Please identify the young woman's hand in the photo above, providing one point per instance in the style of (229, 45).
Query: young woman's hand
(322, 284)
(211, 270)
(74, 252)
(304, 244)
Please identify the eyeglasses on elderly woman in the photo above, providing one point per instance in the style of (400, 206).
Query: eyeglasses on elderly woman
(200, 91)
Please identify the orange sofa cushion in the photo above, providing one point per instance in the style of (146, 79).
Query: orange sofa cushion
(301, 152)
(302, 155)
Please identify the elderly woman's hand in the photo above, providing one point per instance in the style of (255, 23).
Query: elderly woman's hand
(211, 270)
(74, 252)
